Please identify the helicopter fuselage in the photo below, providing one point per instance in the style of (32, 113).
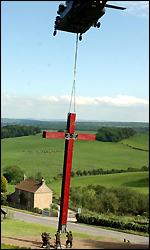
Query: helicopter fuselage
(79, 16)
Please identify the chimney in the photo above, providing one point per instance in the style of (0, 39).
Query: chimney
(42, 181)
(24, 177)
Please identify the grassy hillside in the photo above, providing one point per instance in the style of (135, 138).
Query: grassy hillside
(33, 154)
(138, 140)
(138, 181)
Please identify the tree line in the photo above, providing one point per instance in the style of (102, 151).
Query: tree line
(101, 171)
(10, 131)
(119, 201)
(114, 134)
(80, 125)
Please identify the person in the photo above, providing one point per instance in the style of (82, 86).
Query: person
(69, 239)
(46, 240)
(58, 243)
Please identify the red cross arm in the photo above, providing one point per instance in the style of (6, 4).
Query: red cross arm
(61, 135)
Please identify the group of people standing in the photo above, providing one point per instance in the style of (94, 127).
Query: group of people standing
(69, 239)
(46, 240)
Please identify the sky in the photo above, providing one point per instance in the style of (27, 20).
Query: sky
(112, 75)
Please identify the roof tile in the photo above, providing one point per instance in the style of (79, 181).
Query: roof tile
(29, 185)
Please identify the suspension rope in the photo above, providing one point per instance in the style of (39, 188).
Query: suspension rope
(73, 92)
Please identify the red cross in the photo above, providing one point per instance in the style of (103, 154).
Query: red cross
(70, 136)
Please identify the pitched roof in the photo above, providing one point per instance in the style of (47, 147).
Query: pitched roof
(29, 185)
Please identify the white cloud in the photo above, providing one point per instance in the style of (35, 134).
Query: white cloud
(119, 100)
(48, 99)
(122, 100)
(119, 108)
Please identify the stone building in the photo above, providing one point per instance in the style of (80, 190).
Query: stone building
(30, 194)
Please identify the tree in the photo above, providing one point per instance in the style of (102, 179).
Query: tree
(85, 172)
(3, 184)
(38, 176)
(109, 202)
(13, 174)
(18, 130)
(114, 134)
(72, 173)
(79, 173)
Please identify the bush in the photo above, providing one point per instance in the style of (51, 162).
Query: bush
(3, 184)
(37, 210)
(121, 201)
(54, 206)
(13, 174)
(108, 222)
(46, 209)
(38, 176)
(53, 212)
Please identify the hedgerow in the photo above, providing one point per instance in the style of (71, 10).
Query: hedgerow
(96, 220)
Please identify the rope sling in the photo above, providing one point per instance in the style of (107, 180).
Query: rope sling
(73, 92)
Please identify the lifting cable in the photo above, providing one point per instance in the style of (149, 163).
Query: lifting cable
(73, 92)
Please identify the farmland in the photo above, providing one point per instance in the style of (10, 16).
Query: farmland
(138, 140)
(33, 154)
(138, 181)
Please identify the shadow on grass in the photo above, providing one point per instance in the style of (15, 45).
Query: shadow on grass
(33, 242)
(95, 244)
(82, 244)
(140, 183)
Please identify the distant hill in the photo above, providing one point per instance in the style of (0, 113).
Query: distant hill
(80, 125)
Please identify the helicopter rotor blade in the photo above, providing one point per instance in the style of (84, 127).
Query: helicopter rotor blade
(115, 7)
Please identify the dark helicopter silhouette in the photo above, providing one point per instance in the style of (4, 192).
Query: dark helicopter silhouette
(79, 15)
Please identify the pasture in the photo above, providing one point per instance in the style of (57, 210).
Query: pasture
(25, 228)
(35, 154)
(138, 140)
(138, 181)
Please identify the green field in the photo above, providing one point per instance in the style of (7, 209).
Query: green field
(23, 228)
(33, 154)
(138, 181)
(13, 227)
(139, 141)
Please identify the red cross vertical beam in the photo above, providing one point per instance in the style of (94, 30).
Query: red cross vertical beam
(69, 136)
(65, 189)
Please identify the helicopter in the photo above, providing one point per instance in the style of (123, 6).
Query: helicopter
(79, 15)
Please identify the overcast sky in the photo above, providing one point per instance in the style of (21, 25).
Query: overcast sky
(37, 69)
